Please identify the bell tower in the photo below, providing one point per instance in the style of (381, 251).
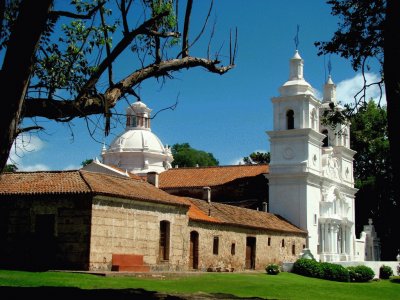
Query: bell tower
(295, 167)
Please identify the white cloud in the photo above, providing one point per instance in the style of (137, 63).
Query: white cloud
(24, 145)
(348, 88)
(36, 167)
(237, 161)
(72, 167)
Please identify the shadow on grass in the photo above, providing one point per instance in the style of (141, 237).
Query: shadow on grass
(103, 294)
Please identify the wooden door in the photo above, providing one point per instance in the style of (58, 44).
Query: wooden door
(194, 250)
(250, 252)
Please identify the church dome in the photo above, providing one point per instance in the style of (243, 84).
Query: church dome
(138, 150)
(137, 140)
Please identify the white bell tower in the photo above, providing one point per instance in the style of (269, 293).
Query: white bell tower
(295, 167)
(311, 169)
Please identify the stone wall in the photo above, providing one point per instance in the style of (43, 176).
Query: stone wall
(249, 192)
(45, 232)
(133, 227)
(228, 235)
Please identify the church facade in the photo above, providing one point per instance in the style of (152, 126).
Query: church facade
(311, 170)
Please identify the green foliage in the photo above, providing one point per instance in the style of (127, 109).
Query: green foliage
(385, 272)
(372, 168)
(327, 271)
(360, 32)
(308, 267)
(257, 158)
(273, 269)
(186, 156)
(334, 272)
(86, 162)
(10, 168)
(360, 273)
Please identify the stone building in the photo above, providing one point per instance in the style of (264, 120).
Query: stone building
(240, 185)
(94, 221)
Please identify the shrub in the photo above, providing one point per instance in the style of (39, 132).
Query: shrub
(307, 267)
(334, 272)
(360, 273)
(273, 269)
(385, 272)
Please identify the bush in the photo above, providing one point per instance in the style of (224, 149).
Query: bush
(385, 272)
(360, 273)
(272, 269)
(307, 267)
(334, 272)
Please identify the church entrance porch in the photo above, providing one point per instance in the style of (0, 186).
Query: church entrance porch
(334, 240)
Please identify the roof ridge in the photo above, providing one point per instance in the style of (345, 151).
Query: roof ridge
(44, 171)
(215, 167)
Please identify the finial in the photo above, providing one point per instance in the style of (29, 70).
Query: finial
(296, 38)
(329, 66)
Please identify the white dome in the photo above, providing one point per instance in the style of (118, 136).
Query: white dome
(137, 140)
(138, 150)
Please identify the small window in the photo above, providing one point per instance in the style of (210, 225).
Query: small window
(233, 249)
(293, 249)
(290, 119)
(215, 245)
(315, 219)
(269, 241)
(304, 246)
(283, 243)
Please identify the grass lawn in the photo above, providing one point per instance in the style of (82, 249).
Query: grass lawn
(282, 286)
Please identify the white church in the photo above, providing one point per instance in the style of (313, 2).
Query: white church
(310, 174)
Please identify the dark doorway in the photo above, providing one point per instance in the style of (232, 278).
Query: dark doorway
(290, 119)
(194, 250)
(44, 245)
(164, 240)
(250, 252)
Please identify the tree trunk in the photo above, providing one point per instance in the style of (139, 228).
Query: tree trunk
(17, 68)
(391, 72)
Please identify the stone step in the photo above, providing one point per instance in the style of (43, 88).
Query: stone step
(137, 268)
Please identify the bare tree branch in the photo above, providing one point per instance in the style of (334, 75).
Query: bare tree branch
(185, 42)
(72, 15)
(119, 48)
(94, 104)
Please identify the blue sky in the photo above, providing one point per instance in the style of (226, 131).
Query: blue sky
(226, 115)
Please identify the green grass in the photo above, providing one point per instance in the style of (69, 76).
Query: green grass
(282, 286)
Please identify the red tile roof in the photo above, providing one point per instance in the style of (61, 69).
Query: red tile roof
(82, 182)
(238, 216)
(31, 183)
(85, 182)
(208, 176)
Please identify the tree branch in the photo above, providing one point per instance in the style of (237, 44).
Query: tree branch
(72, 15)
(119, 48)
(88, 104)
(185, 43)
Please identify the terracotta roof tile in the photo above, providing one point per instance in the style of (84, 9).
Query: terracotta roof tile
(208, 176)
(30, 183)
(104, 184)
(82, 182)
(233, 215)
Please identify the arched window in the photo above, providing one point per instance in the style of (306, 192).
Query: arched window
(344, 137)
(314, 119)
(133, 121)
(290, 119)
(164, 240)
(325, 141)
